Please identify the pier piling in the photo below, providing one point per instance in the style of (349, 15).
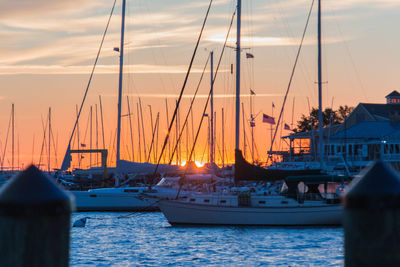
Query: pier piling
(372, 218)
(35, 218)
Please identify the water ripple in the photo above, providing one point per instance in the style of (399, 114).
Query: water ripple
(147, 239)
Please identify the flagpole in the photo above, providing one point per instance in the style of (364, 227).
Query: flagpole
(271, 124)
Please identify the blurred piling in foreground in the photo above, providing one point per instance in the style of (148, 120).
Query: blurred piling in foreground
(372, 218)
(35, 218)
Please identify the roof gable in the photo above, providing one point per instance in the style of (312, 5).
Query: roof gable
(393, 94)
(382, 110)
(368, 130)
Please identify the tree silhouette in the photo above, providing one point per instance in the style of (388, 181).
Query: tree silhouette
(329, 117)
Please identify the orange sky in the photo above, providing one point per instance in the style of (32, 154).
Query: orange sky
(49, 48)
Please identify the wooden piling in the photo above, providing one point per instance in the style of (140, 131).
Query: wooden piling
(35, 218)
(372, 218)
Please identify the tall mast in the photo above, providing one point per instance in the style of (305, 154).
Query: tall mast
(121, 66)
(130, 126)
(157, 126)
(77, 133)
(91, 135)
(138, 124)
(143, 135)
(97, 135)
(212, 107)
(194, 152)
(13, 132)
(237, 121)
(223, 137)
(48, 167)
(252, 125)
(320, 119)
(244, 132)
(102, 124)
(152, 131)
(169, 143)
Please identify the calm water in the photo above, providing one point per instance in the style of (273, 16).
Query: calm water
(147, 239)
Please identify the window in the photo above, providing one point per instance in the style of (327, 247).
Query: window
(261, 202)
(222, 201)
(92, 195)
(192, 199)
(206, 200)
(357, 149)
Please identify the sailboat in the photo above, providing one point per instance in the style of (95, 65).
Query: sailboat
(270, 206)
(130, 198)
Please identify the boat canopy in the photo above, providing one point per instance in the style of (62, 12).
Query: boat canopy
(247, 171)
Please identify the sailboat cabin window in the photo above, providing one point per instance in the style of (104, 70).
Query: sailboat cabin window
(396, 148)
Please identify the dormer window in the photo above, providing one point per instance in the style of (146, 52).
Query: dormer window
(393, 98)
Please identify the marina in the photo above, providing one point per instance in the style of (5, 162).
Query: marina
(199, 133)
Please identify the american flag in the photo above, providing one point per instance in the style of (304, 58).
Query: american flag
(249, 55)
(268, 119)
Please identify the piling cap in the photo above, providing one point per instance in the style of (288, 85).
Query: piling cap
(378, 187)
(32, 193)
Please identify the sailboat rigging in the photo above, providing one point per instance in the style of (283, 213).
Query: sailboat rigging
(239, 207)
(66, 163)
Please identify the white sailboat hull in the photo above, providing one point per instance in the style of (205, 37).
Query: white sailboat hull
(178, 212)
(91, 201)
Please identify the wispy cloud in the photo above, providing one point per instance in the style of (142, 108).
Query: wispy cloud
(257, 41)
(199, 4)
(27, 8)
(199, 96)
(101, 69)
(334, 5)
